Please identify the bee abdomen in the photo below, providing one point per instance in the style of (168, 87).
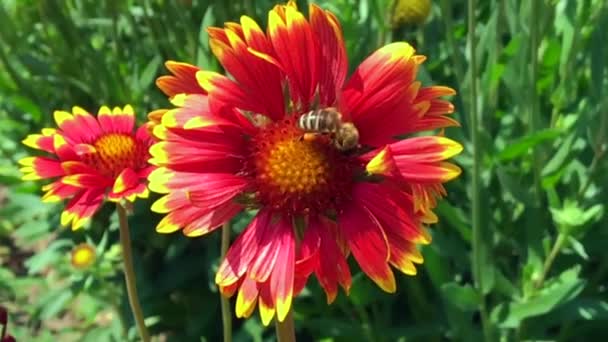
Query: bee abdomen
(321, 121)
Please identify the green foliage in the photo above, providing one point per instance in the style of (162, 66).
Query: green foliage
(543, 148)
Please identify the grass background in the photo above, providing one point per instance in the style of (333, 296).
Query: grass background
(520, 252)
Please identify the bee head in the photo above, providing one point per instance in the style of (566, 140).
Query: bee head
(347, 137)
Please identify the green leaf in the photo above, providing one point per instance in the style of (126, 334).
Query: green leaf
(464, 297)
(149, 73)
(571, 216)
(363, 290)
(54, 302)
(567, 287)
(524, 145)
(578, 247)
(588, 309)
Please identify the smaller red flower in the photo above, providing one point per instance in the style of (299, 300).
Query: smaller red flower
(92, 159)
(4, 337)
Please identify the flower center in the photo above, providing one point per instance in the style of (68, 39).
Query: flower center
(297, 175)
(114, 153)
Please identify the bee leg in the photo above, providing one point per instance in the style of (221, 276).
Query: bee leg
(309, 136)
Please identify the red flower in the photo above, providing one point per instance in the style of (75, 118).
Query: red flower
(92, 159)
(240, 143)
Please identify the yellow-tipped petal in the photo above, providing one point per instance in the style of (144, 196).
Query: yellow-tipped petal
(199, 122)
(380, 164)
(128, 109)
(452, 147)
(116, 111)
(66, 217)
(266, 313)
(104, 110)
(79, 111)
(62, 116)
(158, 180)
(27, 161)
(179, 100)
(451, 171)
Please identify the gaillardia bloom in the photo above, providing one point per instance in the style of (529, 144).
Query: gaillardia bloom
(274, 137)
(83, 256)
(92, 159)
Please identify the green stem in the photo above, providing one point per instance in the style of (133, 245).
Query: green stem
(557, 246)
(478, 242)
(285, 330)
(125, 242)
(533, 109)
(225, 304)
(599, 150)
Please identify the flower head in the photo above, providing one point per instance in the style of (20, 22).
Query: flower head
(83, 256)
(316, 154)
(91, 159)
(410, 12)
(4, 337)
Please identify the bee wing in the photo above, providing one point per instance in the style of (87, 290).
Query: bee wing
(341, 105)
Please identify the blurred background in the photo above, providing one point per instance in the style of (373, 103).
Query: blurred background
(534, 268)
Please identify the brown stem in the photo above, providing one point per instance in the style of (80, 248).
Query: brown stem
(225, 304)
(125, 242)
(286, 329)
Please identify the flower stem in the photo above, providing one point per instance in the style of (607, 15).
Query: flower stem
(557, 246)
(225, 304)
(477, 243)
(286, 329)
(125, 242)
(534, 110)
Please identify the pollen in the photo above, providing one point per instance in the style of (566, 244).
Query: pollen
(295, 166)
(296, 174)
(112, 153)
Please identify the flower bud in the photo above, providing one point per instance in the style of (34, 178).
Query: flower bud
(83, 256)
(410, 12)
(3, 315)
(9, 338)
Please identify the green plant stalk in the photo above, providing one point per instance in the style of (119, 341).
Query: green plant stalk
(533, 109)
(476, 174)
(557, 247)
(600, 151)
(225, 304)
(366, 323)
(286, 331)
(125, 242)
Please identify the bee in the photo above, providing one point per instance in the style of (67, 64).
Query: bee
(329, 121)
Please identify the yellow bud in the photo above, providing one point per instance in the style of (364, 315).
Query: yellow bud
(410, 12)
(83, 256)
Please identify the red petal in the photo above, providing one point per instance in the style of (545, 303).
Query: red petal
(299, 60)
(82, 207)
(332, 268)
(379, 95)
(368, 244)
(225, 190)
(243, 250)
(390, 206)
(57, 191)
(281, 282)
(212, 220)
(247, 298)
(268, 248)
(184, 80)
(333, 62)
(40, 168)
